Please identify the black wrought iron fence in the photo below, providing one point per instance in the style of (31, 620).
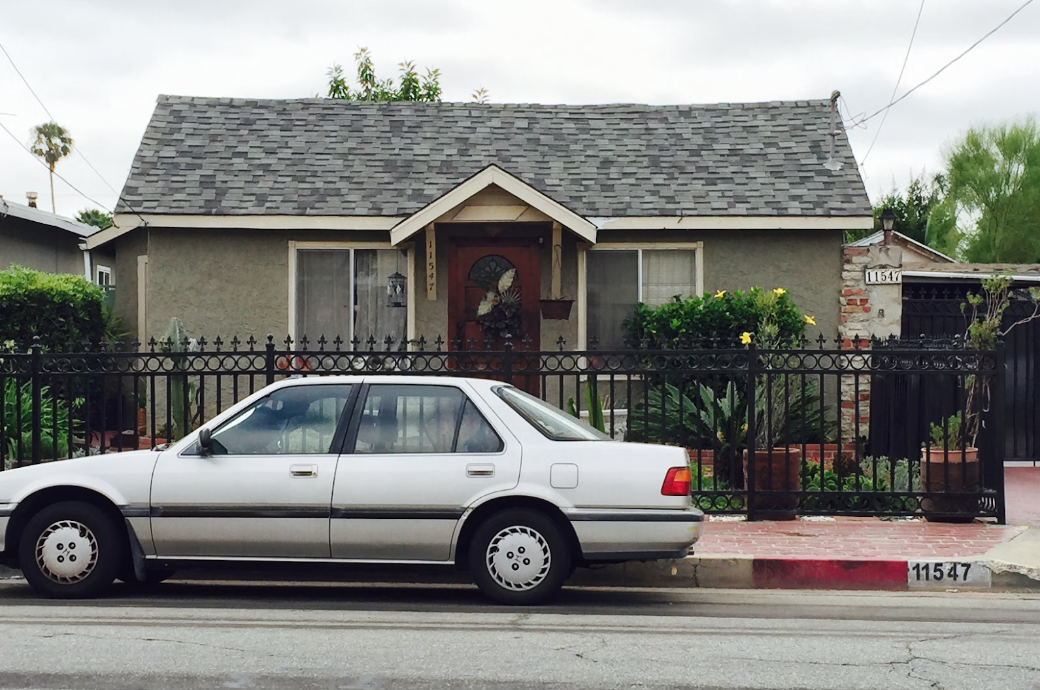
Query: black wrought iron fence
(769, 433)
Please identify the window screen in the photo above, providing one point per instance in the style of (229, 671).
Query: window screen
(613, 290)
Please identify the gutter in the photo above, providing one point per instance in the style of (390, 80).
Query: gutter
(968, 276)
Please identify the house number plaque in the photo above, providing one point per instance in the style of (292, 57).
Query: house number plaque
(884, 276)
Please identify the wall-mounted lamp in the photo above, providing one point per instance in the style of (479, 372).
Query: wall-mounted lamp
(395, 290)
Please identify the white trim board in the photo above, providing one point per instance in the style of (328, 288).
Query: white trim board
(735, 223)
(493, 175)
(125, 222)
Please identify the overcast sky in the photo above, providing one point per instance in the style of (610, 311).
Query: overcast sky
(98, 65)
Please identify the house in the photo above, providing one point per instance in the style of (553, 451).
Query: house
(914, 253)
(44, 241)
(322, 217)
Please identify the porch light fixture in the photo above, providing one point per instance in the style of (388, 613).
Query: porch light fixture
(888, 219)
(395, 290)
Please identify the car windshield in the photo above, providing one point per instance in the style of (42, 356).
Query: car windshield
(552, 422)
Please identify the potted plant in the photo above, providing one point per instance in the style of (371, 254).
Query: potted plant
(949, 465)
(777, 464)
(142, 413)
(556, 309)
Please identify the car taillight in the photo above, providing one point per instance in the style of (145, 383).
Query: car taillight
(676, 482)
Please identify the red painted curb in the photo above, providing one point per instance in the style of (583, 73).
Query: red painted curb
(792, 573)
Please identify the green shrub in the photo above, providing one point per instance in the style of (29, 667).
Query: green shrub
(686, 323)
(63, 310)
(864, 484)
(54, 443)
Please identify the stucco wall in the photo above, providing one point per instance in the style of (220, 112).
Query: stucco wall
(807, 263)
(226, 282)
(39, 246)
(236, 281)
(127, 248)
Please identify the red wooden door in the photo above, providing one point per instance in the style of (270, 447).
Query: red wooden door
(476, 269)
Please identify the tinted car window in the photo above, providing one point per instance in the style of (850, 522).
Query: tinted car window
(475, 434)
(298, 420)
(409, 419)
(550, 421)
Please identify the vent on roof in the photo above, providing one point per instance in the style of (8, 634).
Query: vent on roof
(832, 163)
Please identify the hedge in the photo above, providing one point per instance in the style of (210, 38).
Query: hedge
(63, 310)
(725, 316)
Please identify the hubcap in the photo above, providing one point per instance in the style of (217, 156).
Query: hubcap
(518, 558)
(67, 552)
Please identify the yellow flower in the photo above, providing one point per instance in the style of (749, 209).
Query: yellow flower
(743, 427)
(722, 439)
(720, 294)
(779, 291)
(745, 338)
(810, 320)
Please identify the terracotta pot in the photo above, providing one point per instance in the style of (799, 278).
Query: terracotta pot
(962, 473)
(556, 309)
(778, 470)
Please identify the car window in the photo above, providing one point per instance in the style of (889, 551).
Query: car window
(300, 420)
(475, 434)
(422, 419)
(552, 422)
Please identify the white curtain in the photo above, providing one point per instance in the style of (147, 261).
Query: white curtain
(373, 318)
(667, 273)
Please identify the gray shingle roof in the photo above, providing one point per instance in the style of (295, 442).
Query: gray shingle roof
(222, 156)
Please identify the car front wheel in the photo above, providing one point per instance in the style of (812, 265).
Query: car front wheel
(70, 550)
(519, 557)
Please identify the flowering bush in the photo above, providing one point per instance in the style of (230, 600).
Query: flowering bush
(731, 317)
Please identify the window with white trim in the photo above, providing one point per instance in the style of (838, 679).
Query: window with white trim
(103, 276)
(344, 292)
(618, 279)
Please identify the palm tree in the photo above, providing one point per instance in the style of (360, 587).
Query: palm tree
(53, 143)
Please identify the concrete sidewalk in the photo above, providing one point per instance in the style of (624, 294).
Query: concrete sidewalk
(843, 553)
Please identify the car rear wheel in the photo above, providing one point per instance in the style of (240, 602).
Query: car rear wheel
(519, 557)
(70, 550)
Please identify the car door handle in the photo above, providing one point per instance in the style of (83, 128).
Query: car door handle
(480, 470)
(303, 470)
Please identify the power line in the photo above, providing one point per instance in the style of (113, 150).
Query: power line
(26, 149)
(895, 88)
(53, 119)
(943, 68)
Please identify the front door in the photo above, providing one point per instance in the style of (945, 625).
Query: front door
(493, 292)
(266, 490)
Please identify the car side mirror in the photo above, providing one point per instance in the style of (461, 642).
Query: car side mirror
(205, 442)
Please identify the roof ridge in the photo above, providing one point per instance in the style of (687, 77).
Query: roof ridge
(236, 100)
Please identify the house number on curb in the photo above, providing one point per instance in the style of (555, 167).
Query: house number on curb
(946, 574)
(884, 276)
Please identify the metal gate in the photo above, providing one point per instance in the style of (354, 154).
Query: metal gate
(935, 311)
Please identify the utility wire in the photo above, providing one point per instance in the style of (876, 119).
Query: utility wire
(26, 149)
(943, 68)
(53, 119)
(899, 79)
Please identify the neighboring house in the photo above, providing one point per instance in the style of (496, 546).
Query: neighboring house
(915, 254)
(251, 217)
(47, 242)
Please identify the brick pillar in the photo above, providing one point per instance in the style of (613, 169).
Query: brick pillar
(866, 311)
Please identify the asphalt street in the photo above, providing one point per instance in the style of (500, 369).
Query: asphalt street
(314, 635)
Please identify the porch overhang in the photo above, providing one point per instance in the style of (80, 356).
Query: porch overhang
(493, 175)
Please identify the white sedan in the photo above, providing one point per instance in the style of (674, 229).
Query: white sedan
(467, 473)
